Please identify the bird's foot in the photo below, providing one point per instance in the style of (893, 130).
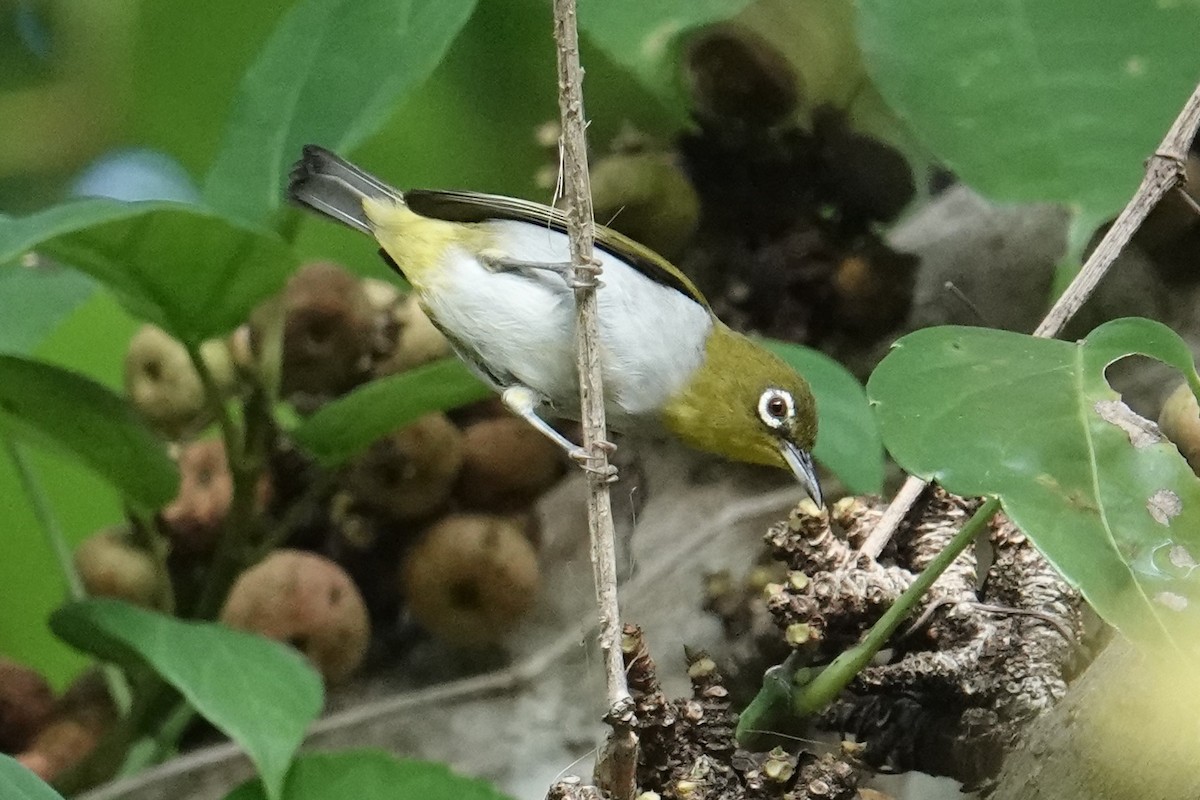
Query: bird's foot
(584, 458)
(587, 276)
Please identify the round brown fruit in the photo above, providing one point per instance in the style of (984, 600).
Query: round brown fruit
(25, 704)
(110, 565)
(734, 75)
(307, 601)
(194, 519)
(164, 386)
(506, 465)
(328, 331)
(409, 474)
(471, 578)
(79, 720)
(414, 341)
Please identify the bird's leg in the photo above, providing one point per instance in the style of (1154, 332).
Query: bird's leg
(523, 402)
(498, 261)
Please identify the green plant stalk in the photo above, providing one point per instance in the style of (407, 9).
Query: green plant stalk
(826, 686)
(162, 744)
(52, 531)
(146, 536)
(114, 679)
(246, 451)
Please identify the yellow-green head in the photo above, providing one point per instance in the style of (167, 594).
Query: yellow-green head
(746, 404)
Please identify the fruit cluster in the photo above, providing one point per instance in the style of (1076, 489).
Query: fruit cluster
(773, 206)
(432, 524)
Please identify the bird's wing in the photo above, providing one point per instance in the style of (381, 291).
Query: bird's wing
(455, 206)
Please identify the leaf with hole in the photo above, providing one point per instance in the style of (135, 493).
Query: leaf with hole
(1112, 505)
(53, 405)
(349, 424)
(847, 436)
(331, 74)
(371, 775)
(18, 783)
(261, 693)
(1036, 101)
(186, 269)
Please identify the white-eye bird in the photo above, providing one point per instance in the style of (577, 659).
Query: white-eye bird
(493, 274)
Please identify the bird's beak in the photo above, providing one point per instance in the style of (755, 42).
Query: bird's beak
(802, 465)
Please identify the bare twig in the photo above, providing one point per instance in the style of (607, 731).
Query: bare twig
(619, 762)
(1165, 170)
(892, 517)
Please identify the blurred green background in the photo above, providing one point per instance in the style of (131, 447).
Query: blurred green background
(81, 78)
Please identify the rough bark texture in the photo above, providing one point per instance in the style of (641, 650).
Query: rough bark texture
(978, 663)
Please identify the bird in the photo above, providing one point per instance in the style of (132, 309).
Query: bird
(494, 275)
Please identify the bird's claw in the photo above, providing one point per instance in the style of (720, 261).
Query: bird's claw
(587, 276)
(583, 458)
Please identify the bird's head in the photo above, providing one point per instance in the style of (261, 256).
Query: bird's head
(747, 404)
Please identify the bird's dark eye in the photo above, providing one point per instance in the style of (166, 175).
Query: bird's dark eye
(775, 407)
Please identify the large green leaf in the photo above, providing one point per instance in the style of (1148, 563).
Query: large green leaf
(1058, 101)
(19, 235)
(644, 37)
(90, 422)
(186, 269)
(350, 423)
(848, 439)
(1114, 508)
(371, 775)
(46, 297)
(331, 73)
(18, 783)
(261, 693)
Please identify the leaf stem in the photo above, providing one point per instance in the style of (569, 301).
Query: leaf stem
(829, 683)
(245, 453)
(114, 679)
(48, 522)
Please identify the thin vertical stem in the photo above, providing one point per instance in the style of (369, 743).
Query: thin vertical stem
(616, 770)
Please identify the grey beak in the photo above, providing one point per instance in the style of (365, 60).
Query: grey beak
(802, 466)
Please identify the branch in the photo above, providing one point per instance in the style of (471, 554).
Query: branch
(617, 765)
(1164, 171)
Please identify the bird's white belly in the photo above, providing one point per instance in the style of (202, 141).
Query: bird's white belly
(520, 324)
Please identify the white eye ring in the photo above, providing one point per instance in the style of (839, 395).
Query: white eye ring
(775, 406)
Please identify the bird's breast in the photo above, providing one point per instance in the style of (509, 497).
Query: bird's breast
(517, 326)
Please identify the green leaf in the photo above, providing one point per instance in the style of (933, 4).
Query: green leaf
(644, 37)
(96, 426)
(18, 783)
(331, 74)
(1060, 101)
(261, 693)
(189, 271)
(46, 297)
(347, 425)
(1117, 512)
(848, 439)
(371, 775)
(19, 235)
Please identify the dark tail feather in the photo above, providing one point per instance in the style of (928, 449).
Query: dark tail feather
(330, 185)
